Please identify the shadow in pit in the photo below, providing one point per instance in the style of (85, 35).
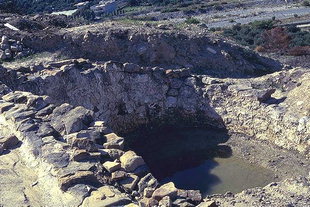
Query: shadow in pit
(187, 154)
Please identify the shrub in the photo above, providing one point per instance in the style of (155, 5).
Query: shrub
(299, 38)
(276, 39)
(306, 3)
(215, 29)
(218, 7)
(85, 13)
(192, 21)
(264, 36)
(260, 49)
(9, 6)
(292, 29)
(166, 10)
(299, 51)
(250, 34)
(266, 24)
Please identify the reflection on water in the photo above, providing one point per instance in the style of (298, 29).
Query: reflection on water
(221, 175)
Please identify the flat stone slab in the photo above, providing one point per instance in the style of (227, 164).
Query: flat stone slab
(111, 166)
(106, 196)
(130, 161)
(165, 190)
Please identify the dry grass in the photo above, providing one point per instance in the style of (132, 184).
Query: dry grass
(35, 59)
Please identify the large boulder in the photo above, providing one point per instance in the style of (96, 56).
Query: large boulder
(130, 161)
(113, 142)
(148, 181)
(66, 119)
(106, 196)
(111, 166)
(130, 182)
(165, 190)
(81, 177)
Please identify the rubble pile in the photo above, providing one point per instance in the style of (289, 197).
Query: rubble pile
(12, 49)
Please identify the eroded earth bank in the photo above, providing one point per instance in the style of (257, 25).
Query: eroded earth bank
(65, 124)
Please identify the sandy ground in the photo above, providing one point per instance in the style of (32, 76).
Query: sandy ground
(285, 163)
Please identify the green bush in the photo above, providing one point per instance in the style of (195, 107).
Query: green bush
(298, 37)
(306, 3)
(192, 20)
(85, 13)
(218, 7)
(9, 6)
(254, 34)
(266, 24)
(166, 10)
(215, 29)
(250, 34)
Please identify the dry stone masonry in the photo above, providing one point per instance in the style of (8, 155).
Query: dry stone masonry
(61, 126)
(12, 49)
(68, 142)
(271, 107)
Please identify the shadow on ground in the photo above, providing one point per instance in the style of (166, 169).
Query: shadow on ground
(169, 150)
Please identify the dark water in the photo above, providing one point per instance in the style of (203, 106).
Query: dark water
(221, 175)
(196, 159)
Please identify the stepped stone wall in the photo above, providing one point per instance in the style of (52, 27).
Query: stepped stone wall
(66, 126)
(272, 107)
(80, 161)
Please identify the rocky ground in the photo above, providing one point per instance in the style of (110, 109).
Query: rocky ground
(291, 192)
(153, 45)
(60, 120)
(178, 93)
(17, 180)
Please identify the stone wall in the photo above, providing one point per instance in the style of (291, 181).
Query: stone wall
(120, 93)
(272, 107)
(12, 49)
(80, 161)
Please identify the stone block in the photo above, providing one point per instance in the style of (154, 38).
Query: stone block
(167, 189)
(111, 166)
(130, 161)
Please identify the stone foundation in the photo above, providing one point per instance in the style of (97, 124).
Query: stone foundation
(65, 131)
(272, 107)
(63, 144)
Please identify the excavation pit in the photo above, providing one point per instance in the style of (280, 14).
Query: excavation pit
(196, 159)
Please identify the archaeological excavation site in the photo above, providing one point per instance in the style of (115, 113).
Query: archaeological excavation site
(116, 113)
